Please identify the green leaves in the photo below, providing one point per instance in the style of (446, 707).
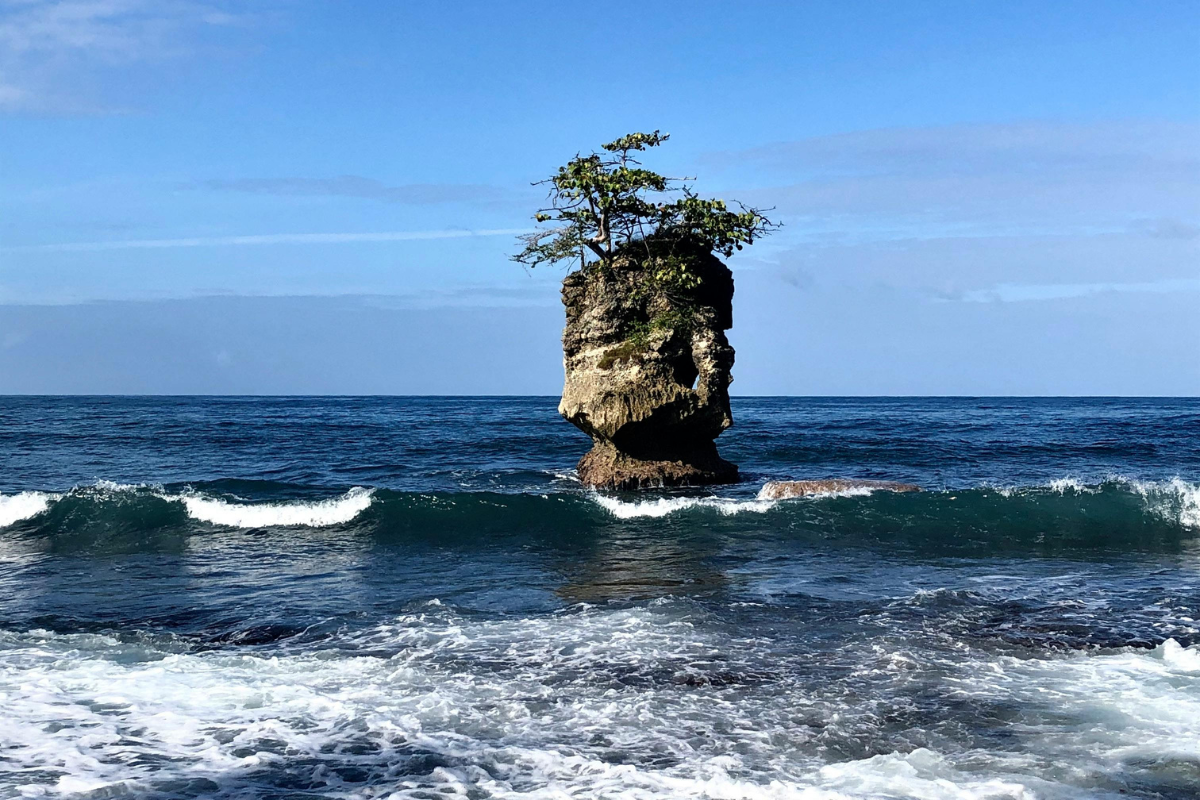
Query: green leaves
(710, 224)
(604, 206)
(636, 141)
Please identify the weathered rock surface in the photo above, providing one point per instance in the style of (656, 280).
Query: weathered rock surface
(781, 490)
(648, 374)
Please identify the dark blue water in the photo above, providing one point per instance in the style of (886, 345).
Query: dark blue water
(413, 597)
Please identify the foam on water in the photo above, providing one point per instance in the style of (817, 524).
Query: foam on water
(1071, 485)
(1179, 659)
(588, 702)
(1133, 713)
(314, 514)
(16, 507)
(1060, 486)
(199, 506)
(662, 506)
(1175, 499)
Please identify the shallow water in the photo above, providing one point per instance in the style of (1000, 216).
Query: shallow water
(285, 598)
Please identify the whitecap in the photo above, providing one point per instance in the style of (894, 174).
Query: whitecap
(1175, 499)
(1071, 486)
(16, 507)
(1063, 486)
(1178, 658)
(663, 506)
(318, 514)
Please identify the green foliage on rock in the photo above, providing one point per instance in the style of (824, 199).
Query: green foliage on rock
(605, 205)
(638, 340)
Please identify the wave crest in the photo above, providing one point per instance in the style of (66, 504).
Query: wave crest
(1173, 500)
(663, 506)
(314, 514)
(16, 507)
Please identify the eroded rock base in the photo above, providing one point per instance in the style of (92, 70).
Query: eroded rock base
(605, 467)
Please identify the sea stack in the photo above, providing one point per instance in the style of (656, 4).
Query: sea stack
(648, 370)
(648, 303)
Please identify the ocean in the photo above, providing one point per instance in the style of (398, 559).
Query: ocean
(414, 598)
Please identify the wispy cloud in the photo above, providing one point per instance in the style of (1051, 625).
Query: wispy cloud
(262, 239)
(1016, 293)
(993, 179)
(45, 45)
(541, 293)
(1028, 147)
(1171, 229)
(365, 188)
(986, 268)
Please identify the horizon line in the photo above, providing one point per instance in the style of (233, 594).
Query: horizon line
(32, 395)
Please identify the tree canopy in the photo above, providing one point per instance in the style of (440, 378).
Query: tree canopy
(605, 204)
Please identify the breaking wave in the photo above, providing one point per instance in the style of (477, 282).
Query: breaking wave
(133, 505)
(315, 514)
(1127, 514)
(662, 506)
(16, 507)
(1175, 499)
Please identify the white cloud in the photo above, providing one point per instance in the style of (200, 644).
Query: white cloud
(11, 96)
(48, 48)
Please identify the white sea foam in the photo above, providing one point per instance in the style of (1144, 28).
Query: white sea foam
(1065, 485)
(315, 514)
(663, 506)
(1179, 659)
(16, 507)
(1175, 499)
(1071, 485)
(921, 773)
(113, 487)
(1135, 713)
(538, 708)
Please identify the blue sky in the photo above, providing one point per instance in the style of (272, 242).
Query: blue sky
(317, 197)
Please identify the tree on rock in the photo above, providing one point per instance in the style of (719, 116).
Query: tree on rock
(644, 349)
(604, 204)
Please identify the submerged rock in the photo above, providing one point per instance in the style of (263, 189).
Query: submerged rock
(648, 373)
(781, 490)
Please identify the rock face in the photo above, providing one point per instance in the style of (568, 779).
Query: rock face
(781, 490)
(647, 373)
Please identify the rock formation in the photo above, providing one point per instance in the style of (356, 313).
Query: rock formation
(648, 372)
(781, 490)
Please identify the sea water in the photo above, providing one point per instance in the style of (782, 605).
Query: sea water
(414, 598)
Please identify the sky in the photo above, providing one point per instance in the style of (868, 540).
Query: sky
(306, 197)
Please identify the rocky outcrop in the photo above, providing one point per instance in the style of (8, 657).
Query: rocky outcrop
(781, 490)
(648, 372)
